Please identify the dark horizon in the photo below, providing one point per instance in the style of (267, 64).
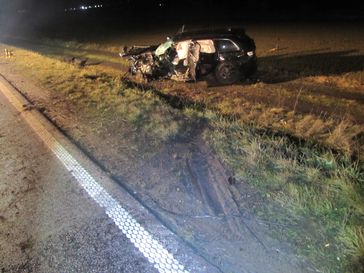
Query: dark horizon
(307, 8)
(68, 18)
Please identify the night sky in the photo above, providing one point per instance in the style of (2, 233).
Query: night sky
(53, 16)
(265, 5)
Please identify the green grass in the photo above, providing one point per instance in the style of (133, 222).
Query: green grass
(314, 196)
(146, 114)
(102, 89)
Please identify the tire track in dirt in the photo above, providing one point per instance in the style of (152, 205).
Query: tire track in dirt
(206, 178)
(209, 177)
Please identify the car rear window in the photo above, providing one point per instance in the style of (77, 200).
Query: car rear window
(226, 46)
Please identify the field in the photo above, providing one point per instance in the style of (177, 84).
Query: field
(292, 141)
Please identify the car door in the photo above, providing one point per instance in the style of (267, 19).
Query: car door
(226, 49)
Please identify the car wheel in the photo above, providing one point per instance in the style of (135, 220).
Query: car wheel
(227, 73)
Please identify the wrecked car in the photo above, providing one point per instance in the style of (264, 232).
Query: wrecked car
(226, 55)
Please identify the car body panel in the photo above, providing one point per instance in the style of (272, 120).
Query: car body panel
(192, 55)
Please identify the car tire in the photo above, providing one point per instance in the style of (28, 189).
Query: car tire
(227, 73)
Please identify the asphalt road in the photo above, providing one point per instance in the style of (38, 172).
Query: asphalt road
(47, 222)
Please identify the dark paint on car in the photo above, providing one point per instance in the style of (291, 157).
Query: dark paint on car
(233, 58)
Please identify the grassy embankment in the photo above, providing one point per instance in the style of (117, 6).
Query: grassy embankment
(313, 195)
(314, 95)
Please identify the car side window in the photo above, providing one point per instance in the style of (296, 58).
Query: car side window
(226, 46)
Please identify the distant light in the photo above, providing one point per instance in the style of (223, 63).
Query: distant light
(95, 6)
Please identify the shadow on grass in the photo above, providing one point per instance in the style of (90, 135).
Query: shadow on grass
(177, 102)
(333, 91)
(286, 67)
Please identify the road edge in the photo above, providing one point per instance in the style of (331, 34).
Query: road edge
(172, 248)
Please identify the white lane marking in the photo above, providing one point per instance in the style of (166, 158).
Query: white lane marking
(156, 254)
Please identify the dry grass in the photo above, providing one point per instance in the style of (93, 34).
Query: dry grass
(311, 88)
(314, 195)
(101, 88)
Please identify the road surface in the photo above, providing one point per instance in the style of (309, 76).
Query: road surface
(50, 223)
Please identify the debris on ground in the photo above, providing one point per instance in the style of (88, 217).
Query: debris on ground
(28, 107)
(79, 61)
(8, 53)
